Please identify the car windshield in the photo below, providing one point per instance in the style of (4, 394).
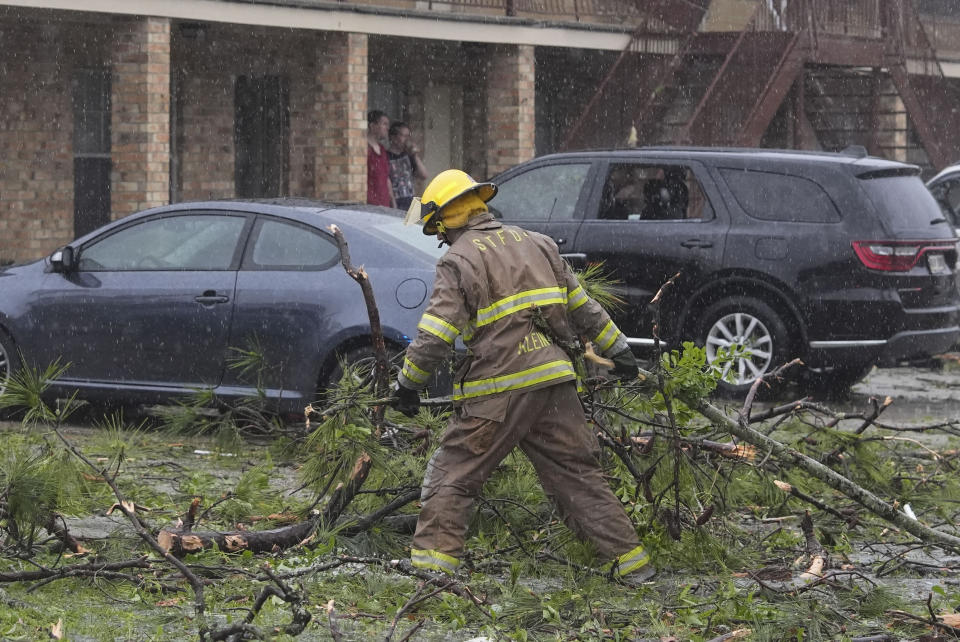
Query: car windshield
(411, 237)
(906, 205)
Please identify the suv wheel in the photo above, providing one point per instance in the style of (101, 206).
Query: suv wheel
(752, 324)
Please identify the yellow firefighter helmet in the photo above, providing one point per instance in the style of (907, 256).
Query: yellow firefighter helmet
(448, 201)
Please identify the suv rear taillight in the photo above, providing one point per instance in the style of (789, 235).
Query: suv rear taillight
(899, 256)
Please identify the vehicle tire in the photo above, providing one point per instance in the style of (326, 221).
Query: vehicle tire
(361, 356)
(746, 321)
(9, 363)
(833, 383)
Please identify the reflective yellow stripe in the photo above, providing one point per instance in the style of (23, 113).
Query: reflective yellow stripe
(438, 327)
(434, 560)
(560, 369)
(577, 298)
(631, 561)
(468, 331)
(521, 301)
(607, 336)
(413, 373)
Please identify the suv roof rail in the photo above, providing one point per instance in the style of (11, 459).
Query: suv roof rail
(857, 151)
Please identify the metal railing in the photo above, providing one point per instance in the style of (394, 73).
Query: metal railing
(845, 18)
(644, 15)
(854, 18)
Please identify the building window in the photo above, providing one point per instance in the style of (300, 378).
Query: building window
(91, 149)
(261, 136)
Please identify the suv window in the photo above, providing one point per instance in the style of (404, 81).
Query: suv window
(904, 203)
(546, 192)
(947, 194)
(776, 197)
(635, 192)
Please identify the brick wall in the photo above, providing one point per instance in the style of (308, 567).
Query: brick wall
(205, 138)
(510, 106)
(341, 121)
(207, 65)
(36, 165)
(140, 124)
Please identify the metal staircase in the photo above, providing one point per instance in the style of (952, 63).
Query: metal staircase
(931, 100)
(858, 71)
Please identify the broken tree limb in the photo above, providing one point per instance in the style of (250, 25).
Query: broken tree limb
(755, 388)
(878, 408)
(57, 527)
(345, 493)
(128, 509)
(183, 541)
(729, 450)
(91, 569)
(382, 379)
(179, 542)
(366, 522)
(825, 474)
(792, 490)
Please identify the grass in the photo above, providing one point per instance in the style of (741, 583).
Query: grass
(736, 570)
(698, 595)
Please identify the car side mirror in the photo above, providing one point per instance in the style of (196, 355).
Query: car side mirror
(62, 260)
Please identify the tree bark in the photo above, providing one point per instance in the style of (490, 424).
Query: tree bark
(180, 542)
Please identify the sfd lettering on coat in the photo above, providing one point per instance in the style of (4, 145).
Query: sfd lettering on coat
(500, 239)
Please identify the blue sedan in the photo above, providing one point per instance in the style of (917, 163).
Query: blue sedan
(151, 306)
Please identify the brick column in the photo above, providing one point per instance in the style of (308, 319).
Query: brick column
(510, 107)
(140, 139)
(341, 123)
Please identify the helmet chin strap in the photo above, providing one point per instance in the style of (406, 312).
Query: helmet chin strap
(442, 234)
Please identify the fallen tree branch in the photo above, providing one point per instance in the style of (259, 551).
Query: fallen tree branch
(755, 388)
(729, 450)
(878, 408)
(792, 490)
(825, 474)
(394, 505)
(75, 570)
(345, 493)
(57, 526)
(181, 542)
(129, 510)
(934, 622)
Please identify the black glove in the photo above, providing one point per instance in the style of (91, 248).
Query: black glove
(408, 401)
(625, 365)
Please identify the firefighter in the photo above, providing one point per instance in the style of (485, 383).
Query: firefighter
(518, 308)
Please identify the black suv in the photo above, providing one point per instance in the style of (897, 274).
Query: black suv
(843, 260)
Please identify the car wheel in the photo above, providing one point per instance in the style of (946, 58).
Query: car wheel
(362, 357)
(752, 324)
(8, 361)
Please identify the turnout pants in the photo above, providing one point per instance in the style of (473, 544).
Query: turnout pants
(548, 425)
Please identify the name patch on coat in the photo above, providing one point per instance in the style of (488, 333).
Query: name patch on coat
(531, 342)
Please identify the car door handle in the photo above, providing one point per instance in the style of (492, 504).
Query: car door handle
(576, 259)
(691, 243)
(210, 297)
(560, 240)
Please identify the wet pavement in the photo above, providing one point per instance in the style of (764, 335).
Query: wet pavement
(920, 395)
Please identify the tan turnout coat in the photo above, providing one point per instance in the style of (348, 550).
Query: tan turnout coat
(487, 288)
